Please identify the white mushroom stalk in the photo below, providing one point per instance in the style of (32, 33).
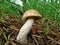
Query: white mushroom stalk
(22, 35)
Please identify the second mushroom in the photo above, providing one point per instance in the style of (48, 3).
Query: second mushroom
(29, 16)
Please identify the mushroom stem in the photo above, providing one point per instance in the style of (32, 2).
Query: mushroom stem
(22, 35)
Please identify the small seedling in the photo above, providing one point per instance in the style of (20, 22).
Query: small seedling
(4, 34)
(47, 29)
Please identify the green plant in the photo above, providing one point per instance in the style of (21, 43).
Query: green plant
(3, 33)
(49, 10)
(7, 7)
(47, 29)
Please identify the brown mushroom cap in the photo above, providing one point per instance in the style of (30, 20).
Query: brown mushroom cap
(31, 14)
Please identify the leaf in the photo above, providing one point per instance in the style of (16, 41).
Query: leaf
(47, 29)
(5, 36)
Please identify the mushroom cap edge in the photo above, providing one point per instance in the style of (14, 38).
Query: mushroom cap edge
(31, 14)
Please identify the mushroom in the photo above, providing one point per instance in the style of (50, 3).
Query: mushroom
(29, 16)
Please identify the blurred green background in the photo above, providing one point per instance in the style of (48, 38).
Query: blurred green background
(49, 9)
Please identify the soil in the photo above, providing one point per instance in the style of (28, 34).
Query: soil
(10, 26)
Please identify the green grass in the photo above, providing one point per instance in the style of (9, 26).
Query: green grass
(3, 33)
(49, 10)
(47, 29)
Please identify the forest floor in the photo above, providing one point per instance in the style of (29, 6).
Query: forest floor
(10, 26)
